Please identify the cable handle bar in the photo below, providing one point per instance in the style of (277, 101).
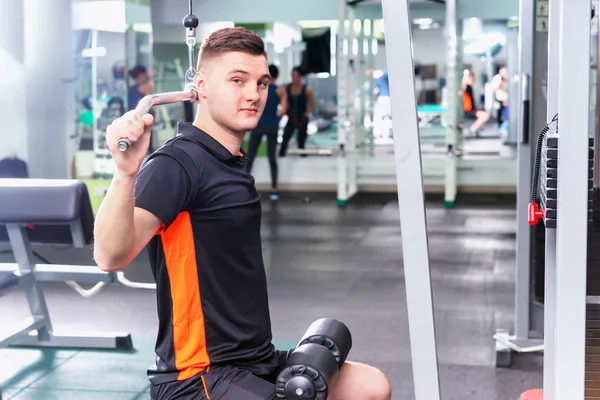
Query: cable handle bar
(144, 106)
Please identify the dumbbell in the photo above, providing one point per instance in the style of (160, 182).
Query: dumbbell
(315, 362)
(332, 334)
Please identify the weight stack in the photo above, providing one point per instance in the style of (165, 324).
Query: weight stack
(548, 202)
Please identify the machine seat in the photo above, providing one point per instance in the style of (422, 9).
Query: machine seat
(48, 207)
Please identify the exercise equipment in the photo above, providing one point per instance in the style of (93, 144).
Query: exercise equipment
(569, 318)
(55, 212)
(189, 93)
(559, 53)
(315, 362)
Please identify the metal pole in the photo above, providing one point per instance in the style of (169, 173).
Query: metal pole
(530, 108)
(522, 273)
(352, 81)
(550, 252)
(372, 42)
(411, 200)
(452, 110)
(94, 80)
(572, 198)
(361, 68)
(513, 86)
(597, 108)
(343, 48)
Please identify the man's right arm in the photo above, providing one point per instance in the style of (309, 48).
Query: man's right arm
(121, 231)
(134, 210)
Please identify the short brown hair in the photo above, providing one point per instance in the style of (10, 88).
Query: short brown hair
(231, 39)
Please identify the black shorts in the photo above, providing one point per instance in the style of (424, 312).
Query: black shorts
(471, 114)
(223, 383)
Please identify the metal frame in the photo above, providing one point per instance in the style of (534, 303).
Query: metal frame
(568, 95)
(346, 161)
(411, 200)
(453, 82)
(568, 357)
(554, 22)
(531, 48)
(37, 330)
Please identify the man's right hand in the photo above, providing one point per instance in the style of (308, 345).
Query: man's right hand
(137, 130)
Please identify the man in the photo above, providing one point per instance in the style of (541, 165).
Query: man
(196, 207)
(500, 88)
(142, 86)
(301, 103)
(268, 125)
(481, 117)
(382, 109)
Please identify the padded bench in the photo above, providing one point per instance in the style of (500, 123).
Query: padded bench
(52, 212)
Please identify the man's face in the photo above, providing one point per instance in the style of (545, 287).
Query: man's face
(233, 88)
(142, 77)
(296, 77)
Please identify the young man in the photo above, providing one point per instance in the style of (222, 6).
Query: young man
(301, 103)
(195, 206)
(268, 125)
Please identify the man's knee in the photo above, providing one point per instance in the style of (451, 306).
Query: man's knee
(361, 382)
(379, 385)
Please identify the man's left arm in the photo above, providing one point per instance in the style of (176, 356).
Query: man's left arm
(311, 102)
(283, 101)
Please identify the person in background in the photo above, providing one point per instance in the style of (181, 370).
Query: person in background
(301, 104)
(382, 109)
(382, 83)
(470, 107)
(500, 86)
(268, 126)
(142, 86)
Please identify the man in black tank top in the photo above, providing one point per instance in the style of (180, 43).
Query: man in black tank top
(301, 103)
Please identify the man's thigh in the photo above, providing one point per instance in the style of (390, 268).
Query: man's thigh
(222, 383)
(230, 383)
(189, 389)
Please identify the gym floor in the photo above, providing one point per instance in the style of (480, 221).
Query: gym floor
(321, 261)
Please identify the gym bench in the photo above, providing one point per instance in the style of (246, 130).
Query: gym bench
(51, 212)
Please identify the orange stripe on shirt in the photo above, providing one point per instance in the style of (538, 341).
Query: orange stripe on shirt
(189, 336)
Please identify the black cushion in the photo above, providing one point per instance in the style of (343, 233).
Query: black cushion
(48, 206)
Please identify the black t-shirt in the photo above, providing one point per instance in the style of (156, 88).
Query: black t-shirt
(206, 259)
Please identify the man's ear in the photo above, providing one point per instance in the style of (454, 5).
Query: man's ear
(200, 83)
